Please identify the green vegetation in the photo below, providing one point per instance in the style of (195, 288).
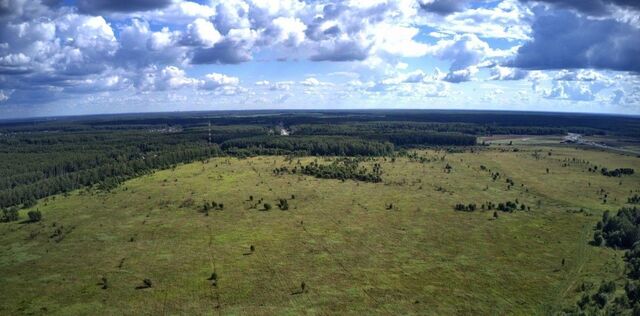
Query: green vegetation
(342, 169)
(34, 216)
(339, 238)
(382, 212)
(621, 231)
(616, 172)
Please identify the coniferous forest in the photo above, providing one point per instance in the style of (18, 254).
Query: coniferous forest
(41, 157)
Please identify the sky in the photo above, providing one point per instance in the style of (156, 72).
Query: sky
(111, 56)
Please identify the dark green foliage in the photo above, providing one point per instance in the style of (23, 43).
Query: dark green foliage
(635, 199)
(283, 204)
(267, 206)
(211, 206)
(30, 202)
(616, 172)
(465, 208)
(310, 145)
(35, 165)
(9, 215)
(34, 216)
(621, 230)
(507, 206)
(39, 158)
(342, 169)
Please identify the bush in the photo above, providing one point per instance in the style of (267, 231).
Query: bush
(283, 204)
(34, 216)
(9, 215)
(267, 206)
(621, 230)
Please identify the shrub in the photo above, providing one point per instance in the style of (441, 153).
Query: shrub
(34, 216)
(623, 229)
(9, 215)
(267, 206)
(283, 204)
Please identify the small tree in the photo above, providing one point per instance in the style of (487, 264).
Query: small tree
(283, 204)
(597, 238)
(9, 215)
(34, 216)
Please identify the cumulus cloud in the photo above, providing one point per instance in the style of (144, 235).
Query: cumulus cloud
(506, 73)
(281, 86)
(313, 82)
(443, 6)
(574, 91)
(466, 52)
(509, 19)
(235, 48)
(563, 39)
(141, 47)
(201, 33)
(580, 75)
(92, 46)
(167, 78)
(461, 75)
(214, 81)
(592, 7)
(105, 6)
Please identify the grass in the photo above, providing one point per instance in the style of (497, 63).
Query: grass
(354, 255)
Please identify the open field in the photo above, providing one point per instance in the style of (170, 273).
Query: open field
(353, 253)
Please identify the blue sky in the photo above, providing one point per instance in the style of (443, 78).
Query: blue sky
(105, 56)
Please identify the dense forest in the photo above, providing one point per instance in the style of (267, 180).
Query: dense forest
(619, 231)
(45, 156)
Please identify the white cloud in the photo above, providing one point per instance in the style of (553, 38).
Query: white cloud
(506, 73)
(461, 75)
(574, 91)
(4, 96)
(214, 81)
(281, 86)
(510, 20)
(167, 78)
(313, 82)
(202, 32)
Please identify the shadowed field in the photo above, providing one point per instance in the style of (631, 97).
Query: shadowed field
(396, 246)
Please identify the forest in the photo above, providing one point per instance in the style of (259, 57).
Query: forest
(41, 157)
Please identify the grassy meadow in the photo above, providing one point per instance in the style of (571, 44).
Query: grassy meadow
(395, 247)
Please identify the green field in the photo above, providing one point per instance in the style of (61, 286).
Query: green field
(355, 254)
